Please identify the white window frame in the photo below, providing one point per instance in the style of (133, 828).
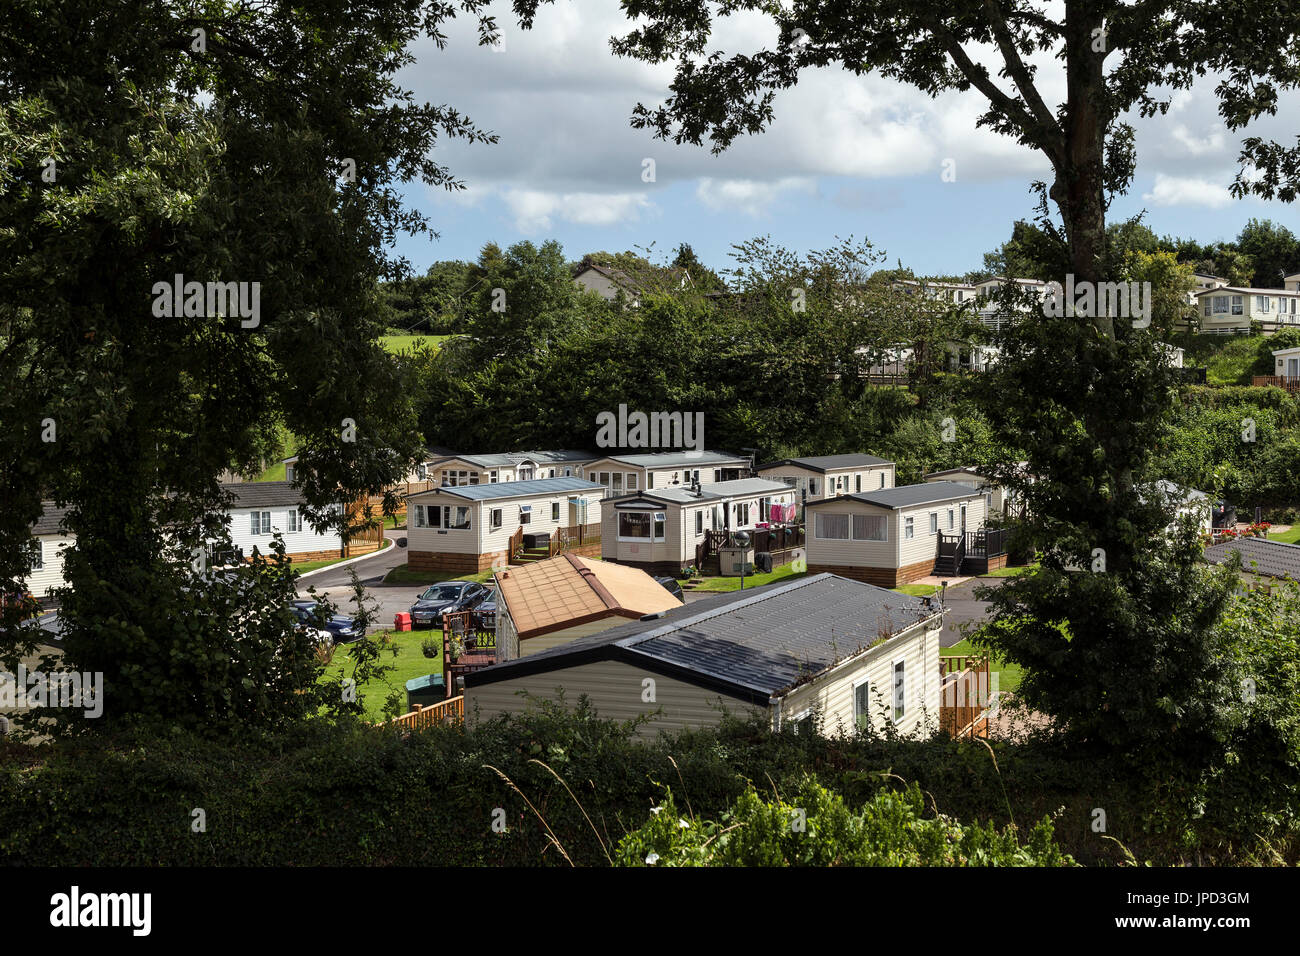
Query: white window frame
(496, 518)
(820, 520)
(699, 522)
(38, 554)
(866, 712)
(899, 689)
(260, 523)
(630, 485)
(555, 511)
(525, 514)
(658, 525)
(634, 539)
(884, 525)
(934, 522)
(909, 527)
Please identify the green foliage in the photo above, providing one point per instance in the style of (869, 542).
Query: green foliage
(816, 828)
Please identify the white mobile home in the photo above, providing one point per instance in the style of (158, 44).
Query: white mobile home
(262, 509)
(458, 470)
(894, 536)
(822, 652)
(827, 476)
(469, 528)
(621, 474)
(49, 541)
(661, 530)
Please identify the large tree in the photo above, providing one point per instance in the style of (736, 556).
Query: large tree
(215, 141)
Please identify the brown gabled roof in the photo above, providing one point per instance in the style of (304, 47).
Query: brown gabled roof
(568, 590)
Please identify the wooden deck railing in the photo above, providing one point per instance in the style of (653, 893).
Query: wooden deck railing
(964, 695)
(1289, 382)
(574, 536)
(450, 711)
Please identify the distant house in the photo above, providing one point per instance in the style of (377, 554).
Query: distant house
(896, 535)
(261, 509)
(49, 541)
(608, 282)
(413, 474)
(468, 528)
(819, 651)
(548, 603)
(667, 469)
(825, 476)
(1260, 558)
(660, 530)
(456, 470)
(997, 499)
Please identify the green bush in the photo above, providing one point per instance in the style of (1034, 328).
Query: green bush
(817, 828)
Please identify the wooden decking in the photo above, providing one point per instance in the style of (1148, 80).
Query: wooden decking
(964, 696)
(451, 711)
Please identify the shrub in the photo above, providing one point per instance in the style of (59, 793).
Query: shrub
(817, 828)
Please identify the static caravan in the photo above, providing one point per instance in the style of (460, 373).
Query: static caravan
(827, 476)
(262, 509)
(893, 536)
(997, 499)
(820, 653)
(49, 541)
(458, 470)
(468, 528)
(621, 474)
(544, 604)
(660, 530)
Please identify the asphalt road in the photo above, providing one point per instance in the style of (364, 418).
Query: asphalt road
(963, 608)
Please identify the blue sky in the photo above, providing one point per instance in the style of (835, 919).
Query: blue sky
(845, 156)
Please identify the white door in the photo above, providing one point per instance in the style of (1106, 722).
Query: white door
(1293, 368)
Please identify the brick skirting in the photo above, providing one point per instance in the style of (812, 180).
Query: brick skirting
(881, 577)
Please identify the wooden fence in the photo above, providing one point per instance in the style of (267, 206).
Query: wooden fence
(450, 711)
(781, 542)
(964, 696)
(1289, 382)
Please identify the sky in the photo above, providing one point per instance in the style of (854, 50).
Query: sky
(846, 156)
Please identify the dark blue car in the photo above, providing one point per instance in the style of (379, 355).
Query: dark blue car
(341, 627)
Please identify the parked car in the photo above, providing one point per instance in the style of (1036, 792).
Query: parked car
(341, 628)
(439, 599)
(672, 586)
(486, 611)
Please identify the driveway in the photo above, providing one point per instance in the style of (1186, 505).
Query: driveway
(335, 583)
(963, 607)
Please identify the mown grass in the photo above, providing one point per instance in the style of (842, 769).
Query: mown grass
(1008, 674)
(404, 343)
(1287, 537)
(404, 575)
(917, 590)
(785, 572)
(408, 663)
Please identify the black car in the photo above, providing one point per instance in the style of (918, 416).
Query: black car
(485, 612)
(444, 598)
(341, 627)
(672, 586)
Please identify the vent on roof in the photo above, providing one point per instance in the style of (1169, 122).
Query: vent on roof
(651, 617)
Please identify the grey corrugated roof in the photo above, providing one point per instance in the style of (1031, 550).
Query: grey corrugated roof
(257, 494)
(825, 463)
(715, 491)
(680, 459)
(758, 643)
(907, 496)
(50, 520)
(1276, 559)
(513, 489)
(508, 459)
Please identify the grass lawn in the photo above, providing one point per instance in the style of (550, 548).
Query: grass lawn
(391, 522)
(786, 571)
(403, 343)
(1008, 674)
(1228, 360)
(916, 590)
(403, 575)
(409, 662)
(1010, 572)
(1288, 537)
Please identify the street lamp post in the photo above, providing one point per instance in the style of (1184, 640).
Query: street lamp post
(742, 539)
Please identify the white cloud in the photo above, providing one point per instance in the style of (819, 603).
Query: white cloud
(749, 196)
(535, 210)
(1187, 191)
